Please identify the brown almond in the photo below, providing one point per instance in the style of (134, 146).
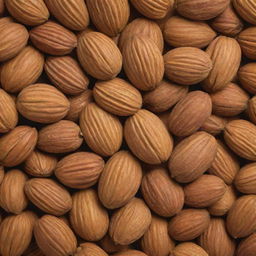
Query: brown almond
(108, 245)
(1, 174)
(246, 9)
(247, 40)
(247, 78)
(214, 125)
(251, 109)
(130, 253)
(188, 249)
(247, 247)
(90, 249)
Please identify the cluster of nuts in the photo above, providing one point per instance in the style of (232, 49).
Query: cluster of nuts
(128, 128)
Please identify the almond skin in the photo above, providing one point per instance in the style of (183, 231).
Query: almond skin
(148, 138)
(1, 174)
(247, 247)
(188, 249)
(108, 245)
(17, 145)
(79, 170)
(54, 237)
(52, 38)
(120, 180)
(12, 196)
(214, 125)
(90, 249)
(22, 70)
(48, 196)
(66, 74)
(251, 109)
(196, 104)
(246, 9)
(247, 40)
(192, 157)
(247, 78)
(42, 103)
(99, 55)
(130, 253)
(72, 14)
(180, 32)
(130, 222)
(88, 217)
(163, 195)
(105, 139)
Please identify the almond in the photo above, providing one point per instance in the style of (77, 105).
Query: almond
(89, 249)
(42, 103)
(247, 247)
(79, 170)
(66, 74)
(148, 138)
(99, 55)
(163, 195)
(246, 9)
(130, 253)
(251, 109)
(53, 38)
(247, 78)
(61, 137)
(120, 180)
(180, 32)
(108, 245)
(1, 174)
(247, 41)
(88, 217)
(224, 52)
(17, 145)
(48, 196)
(130, 222)
(109, 17)
(214, 125)
(188, 249)
(54, 237)
(117, 97)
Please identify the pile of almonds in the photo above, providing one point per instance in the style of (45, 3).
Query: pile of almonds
(128, 128)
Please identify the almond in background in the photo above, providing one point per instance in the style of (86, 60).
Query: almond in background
(89, 249)
(247, 247)
(188, 249)
(246, 9)
(214, 125)
(247, 78)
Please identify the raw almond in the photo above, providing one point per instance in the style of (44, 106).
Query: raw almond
(246, 9)
(251, 109)
(247, 247)
(108, 245)
(188, 249)
(90, 249)
(247, 78)
(130, 253)
(1, 174)
(214, 125)
(247, 41)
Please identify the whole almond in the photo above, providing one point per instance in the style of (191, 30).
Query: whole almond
(90, 249)
(66, 74)
(48, 196)
(17, 145)
(188, 249)
(108, 245)
(120, 180)
(130, 253)
(72, 14)
(8, 112)
(247, 247)
(102, 131)
(224, 52)
(54, 237)
(196, 104)
(130, 222)
(12, 196)
(53, 38)
(247, 41)
(251, 109)
(88, 217)
(117, 97)
(180, 32)
(214, 125)
(42, 103)
(148, 138)
(109, 17)
(163, 195)
(99, 55)
(79, 170)
(247, 78)
(1, 174)
(61, 137)
(246, 9)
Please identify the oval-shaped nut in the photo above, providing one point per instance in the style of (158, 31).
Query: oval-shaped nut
(187, 65)
(164, 96)
(109, 17)
(102, 131)
(130, 222)
(12, 196)
(8, 112)
(251, 109)
(16, 232)
(72, 14)
(246, 9)
(190, 113)
(214, 125)
(163, 195)
(148, 138)
(117, 97)
(42, 103)
(201, 9)
(61, 137)
(48, 196)
(88, 217)
(54, 237)
(40, 164)
(1, 175)
(14, 39)
(192, 157)
(188, 249)
(243, 209)
(120, 180)
(79, 170)
(130, 253)
(204, 191)
(240, 136)
(188, 224)
(216, 241)
(53, 38)
(156, 240)
(247, 247)
(108, 245)
(22, 70)
(99, 55)
(17, 145)
(247, 40)
(224, 52)
(247, 77)
(66, 74)
(180, 32)
(90, 249)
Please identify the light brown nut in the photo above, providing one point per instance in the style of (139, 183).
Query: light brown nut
(90, 249)
(247, 247)
(251, 109)
(246, 9)
(214, 125)
(247, 40)
(2, 173)
(108, 245)
(188, 249)
(130, 253)
(247, 77)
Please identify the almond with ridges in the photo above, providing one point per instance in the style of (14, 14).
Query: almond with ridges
(247, 77)
(214, 125)
(130, 253)
(247, 247)
(108, 245)
(251, 109)
(1, 174)
(188, 249)
(90, 249)
(246, 9)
